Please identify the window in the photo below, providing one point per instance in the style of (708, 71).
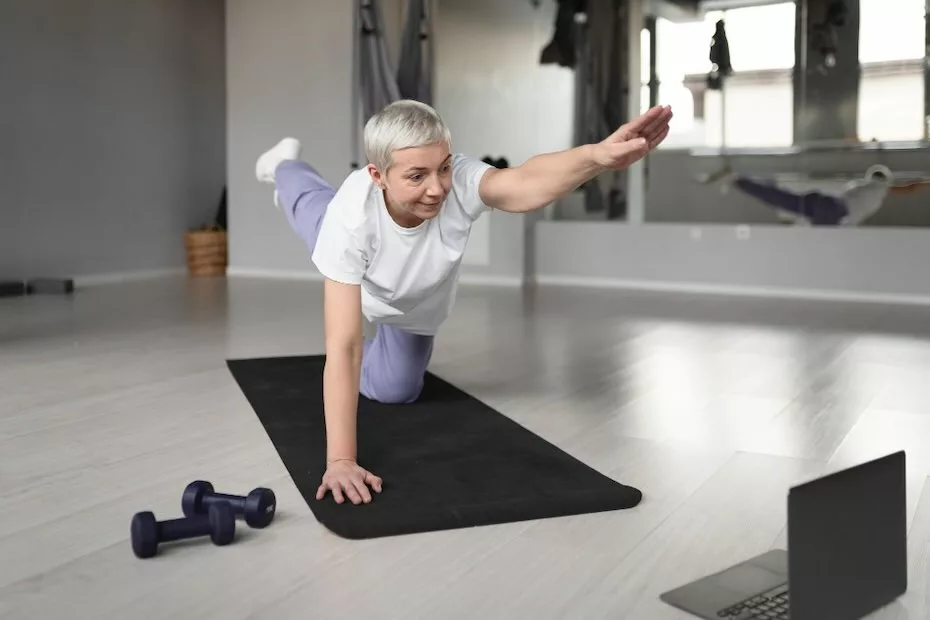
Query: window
(672, 91)
(891, 30)
(761, 37)
(891, 86)
(761, 42)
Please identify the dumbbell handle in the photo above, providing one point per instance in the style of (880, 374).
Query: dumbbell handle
(236, 502)
(178, 529)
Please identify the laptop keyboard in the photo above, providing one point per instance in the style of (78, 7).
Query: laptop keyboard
(771, 605)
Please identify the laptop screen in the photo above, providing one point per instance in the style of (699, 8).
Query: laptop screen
(847, 541)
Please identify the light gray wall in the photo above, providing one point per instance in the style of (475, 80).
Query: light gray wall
(289, 71)
(879, 263)
(499, 101)
(112, 133)
(288, 74)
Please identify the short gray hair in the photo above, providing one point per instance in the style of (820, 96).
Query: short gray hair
(400, 125)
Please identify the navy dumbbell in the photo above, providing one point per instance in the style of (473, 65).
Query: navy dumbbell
(257, 508)
(218, 523)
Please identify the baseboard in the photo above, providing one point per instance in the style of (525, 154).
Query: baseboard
(733, 290)
(314, 276)
(481, 279)
(122, 277)
(547, 280)
(273, 274)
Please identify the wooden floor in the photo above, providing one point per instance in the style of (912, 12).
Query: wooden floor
(113, 400)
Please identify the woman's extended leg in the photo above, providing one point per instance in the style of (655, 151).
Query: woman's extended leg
(300, 191)
(303, 196)
(394, 365)
(820, 209)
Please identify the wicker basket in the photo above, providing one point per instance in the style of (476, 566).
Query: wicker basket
(206, 252)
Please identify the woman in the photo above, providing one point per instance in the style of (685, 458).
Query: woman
(389, 244)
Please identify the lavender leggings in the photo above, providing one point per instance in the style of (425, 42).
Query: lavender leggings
(394, 362)
(819, 208)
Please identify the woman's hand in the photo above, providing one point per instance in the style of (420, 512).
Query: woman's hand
(345, 477)
(632, 141)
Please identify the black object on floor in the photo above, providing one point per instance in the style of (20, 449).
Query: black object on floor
(36, 286)
(12, 288)
(447, 461)
(50, 286)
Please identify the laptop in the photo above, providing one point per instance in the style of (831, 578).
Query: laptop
(847, 538)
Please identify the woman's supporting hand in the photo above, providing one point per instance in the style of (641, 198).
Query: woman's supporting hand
(345, 478)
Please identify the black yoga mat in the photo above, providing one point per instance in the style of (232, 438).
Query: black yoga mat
(447, 461)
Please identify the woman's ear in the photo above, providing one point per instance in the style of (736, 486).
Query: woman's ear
(376, 176)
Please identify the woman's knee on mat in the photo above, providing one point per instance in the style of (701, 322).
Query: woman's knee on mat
(394, 365)
(395, 390)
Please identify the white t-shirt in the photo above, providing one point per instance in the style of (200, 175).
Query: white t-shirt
(408, 276)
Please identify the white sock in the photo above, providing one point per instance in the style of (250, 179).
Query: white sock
(864, 199)
(287, 149)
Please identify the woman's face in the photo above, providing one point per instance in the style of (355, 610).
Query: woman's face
(417, 183)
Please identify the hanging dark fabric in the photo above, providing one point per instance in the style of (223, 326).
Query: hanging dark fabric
(601, 74)
(414, 69)
(719, 57)
(375, 83)
(561, 49)
(601, 67)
